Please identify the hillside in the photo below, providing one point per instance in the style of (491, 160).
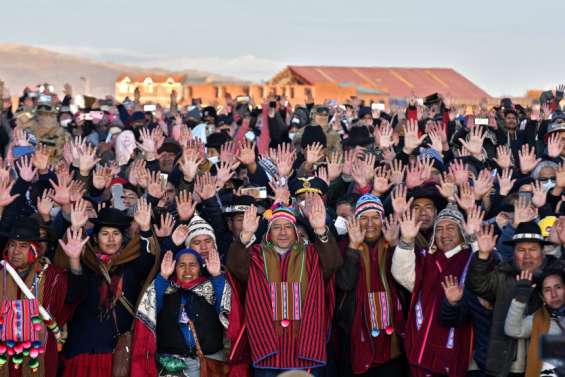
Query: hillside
(22, 66)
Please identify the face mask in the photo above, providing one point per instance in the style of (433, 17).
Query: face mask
(250, 135)
(214, 160)
(549, 184)
(291, 135)
(65, 122)
(341, 225)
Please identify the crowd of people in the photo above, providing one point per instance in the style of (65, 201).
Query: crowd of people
(256, 239)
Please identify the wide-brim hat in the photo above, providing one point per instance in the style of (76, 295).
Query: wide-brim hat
(428, 191)
(358, 136)
(112, 218)
(24, 229)
(527, 232)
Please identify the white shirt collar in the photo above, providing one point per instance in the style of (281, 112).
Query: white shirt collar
(452, 252)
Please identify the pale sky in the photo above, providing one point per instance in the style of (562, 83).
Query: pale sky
(505, 47)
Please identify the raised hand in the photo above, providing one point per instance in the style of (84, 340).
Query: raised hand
(102, 177)
(188, 165)
(540, 194)
(228, 151)
(62, 189)
(246, 153)
(483, 184)
(384, 136)
(167, 225)
(76, 191)
(391, 229)
(322, 173)
(474, 220)
(45, 204)
(79, 214)
(335, 166)
(528, 160)
(19, 137)
(249, 225)
(155, 185)
(447, 187)
(426, 166)
(400, 203)
(87, 160)
(523, 212)
(503, 157)
(355, 233)
(26, 169)
(179, 235)
(409, 227)
(284, 157)
(225, 171)
(280, 188)
(466, 198)
(74, 245)
(185, 205)
(397, 171)
(414, 175)
(436, 139)
(453, 291)
(505, 182)
(486, 241)
(476, 138)
(213, 264)
(167, 265)
(554, 145)
(350, 157)
(381, 181)
(41, 158)
(314, 153)
(147, 145)
(317, 213)
(143, 215)
(77, 144)
(6, 198)
(459, 171)
(411, 139)
(205, 186)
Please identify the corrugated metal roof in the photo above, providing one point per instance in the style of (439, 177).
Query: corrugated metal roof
(398, 82)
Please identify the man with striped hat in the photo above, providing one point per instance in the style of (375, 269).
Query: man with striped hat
(434, 349)
(289, 300)
(369, 319)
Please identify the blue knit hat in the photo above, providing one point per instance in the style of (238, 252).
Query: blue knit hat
(368, 202)
(199, 258)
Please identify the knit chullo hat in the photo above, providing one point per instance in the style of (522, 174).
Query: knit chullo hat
(277, 212)
(368, 202)
(198, 227)
(449, 213)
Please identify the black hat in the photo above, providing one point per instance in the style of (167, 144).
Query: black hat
(299, 186)
(527, 232)
(223, 120)
(300, 117)
(216, 140)
(358, 136)
(313, 134)
(428, 191)
(432, 99)
(137, 119)
(209, 111)
(170, 145)
(24, 229)
(112, 218)
(239, 204)
(364, 110)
